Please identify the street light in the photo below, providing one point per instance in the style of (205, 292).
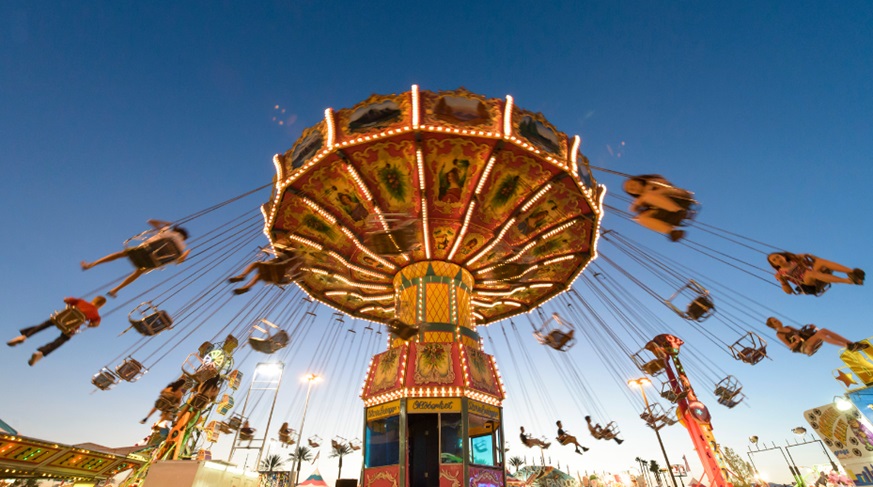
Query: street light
(311, 379)
(644, 381)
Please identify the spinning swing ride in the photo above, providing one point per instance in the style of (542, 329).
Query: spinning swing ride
(435, 214)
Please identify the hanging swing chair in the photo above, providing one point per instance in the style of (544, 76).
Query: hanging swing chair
(148, 320)
(130, 370)
(69, 319)
(728, 391)
(235, 422)
(199, 401)
(749, 348)
(556, 333)
(398, 239)
(225, 405)
(267, 339)
(104, 380)
(212, 430)
(401, 330)
(233, 379)
(648, 362)
(668, 393)
(355, 444)
(314, 441)
(246, 432)
(338, 443)
(286, 436)
(154, 254)
(199, 370)
(699, 308)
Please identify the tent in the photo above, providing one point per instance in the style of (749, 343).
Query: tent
(314, 480)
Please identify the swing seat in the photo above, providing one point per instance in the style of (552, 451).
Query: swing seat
(212, 431)
(393, 242)
(280, 271)
(153, 323)
(286, 438)
(557, 339)
(166, 405)
(338, 442)
(355, 444)
(224, 428)
(151, 255)
(235, 422)
(198, 370)
(314, 441)
(749, 348)
(199, 401)
(271, 344)
(225, 405)
(68, 320)
(653, 367)
(104, 380)
(402, 330)
(246, 434)
(234, 378)
(556, 333)
(130, 370)
(700, 309)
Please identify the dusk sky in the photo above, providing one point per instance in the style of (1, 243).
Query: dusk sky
(112, 113)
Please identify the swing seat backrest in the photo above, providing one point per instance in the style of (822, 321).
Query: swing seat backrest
(130, 370)
(700, 308)
(154, 323)
(313, 443)
(104, 380)
(246, 434)
(69, 319)
(165, 405)
(199, 401)
(225, 405)
(235, 422)
(151, 255)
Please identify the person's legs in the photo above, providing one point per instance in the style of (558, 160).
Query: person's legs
(47, 349)
(245, 289)
(102, 260)
(129, 279)
(648, 220)
(810, 278)
(242, 275)
(30, 331)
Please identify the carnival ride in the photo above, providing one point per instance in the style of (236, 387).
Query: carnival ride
(431, 215)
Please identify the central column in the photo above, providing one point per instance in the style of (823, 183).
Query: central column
(436, 295)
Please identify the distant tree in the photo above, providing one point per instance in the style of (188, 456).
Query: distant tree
(656, 471)
(301, 454)
(339, 450)
(740, 471)
(516, 462)
(272, 463)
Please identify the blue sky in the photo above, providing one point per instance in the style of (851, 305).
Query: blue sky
(113, 113)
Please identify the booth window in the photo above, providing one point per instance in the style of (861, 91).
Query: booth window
(451, 442)
(383, 442)
(484, 441)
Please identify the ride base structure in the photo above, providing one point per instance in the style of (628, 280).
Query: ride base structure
(433, 405)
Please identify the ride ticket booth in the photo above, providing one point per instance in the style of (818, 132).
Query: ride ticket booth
(433, 404)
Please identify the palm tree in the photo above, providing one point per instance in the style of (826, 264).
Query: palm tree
(339, 451)
(272, 463)
(300, 454)
(516, 462)
(656, 471)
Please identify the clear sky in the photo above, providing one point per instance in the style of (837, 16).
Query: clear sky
(115, 112)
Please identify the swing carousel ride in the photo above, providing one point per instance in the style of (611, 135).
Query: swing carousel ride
(439, 217)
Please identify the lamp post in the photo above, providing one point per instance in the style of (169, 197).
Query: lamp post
(642, 382)
(310, 378)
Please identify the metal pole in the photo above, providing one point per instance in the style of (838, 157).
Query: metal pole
(294, 470)
(270, 417)
(797, 475)
(658, 434)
